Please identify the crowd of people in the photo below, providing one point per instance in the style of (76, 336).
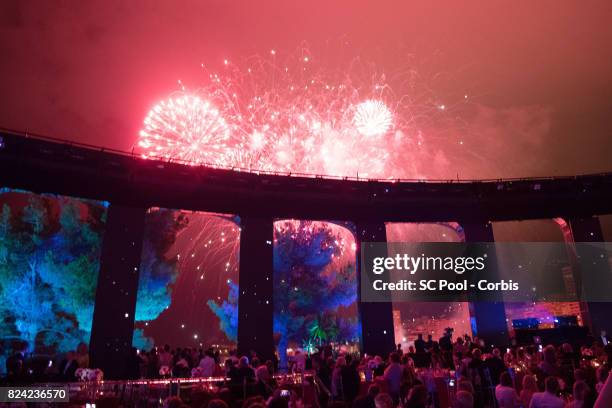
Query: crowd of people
(193, 362)
(473, 375)
(530, 377)
(21, 366)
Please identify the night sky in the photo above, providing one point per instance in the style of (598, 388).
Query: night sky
(537, 73)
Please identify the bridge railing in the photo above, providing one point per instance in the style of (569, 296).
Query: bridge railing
(135, 155)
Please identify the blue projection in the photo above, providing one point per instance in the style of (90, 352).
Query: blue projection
(49, 262)
(188, 284)
(315, 286)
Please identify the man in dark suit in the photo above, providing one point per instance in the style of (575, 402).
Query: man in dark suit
(68, 367)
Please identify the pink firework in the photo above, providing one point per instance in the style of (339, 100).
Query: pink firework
(372, 118)
(295, 116)
(186, 128)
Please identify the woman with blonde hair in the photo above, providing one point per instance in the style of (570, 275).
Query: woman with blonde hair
(530, 387)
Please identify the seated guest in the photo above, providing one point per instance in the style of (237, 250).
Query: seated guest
(380, 366)
(367, 401)
(580, 393)
(254, 402)
(281, 400)
(173, 402)
(383, 400)
(505, 394)
(82, 355)
(580, 375)
(243, 372)
(200, 397)
(530, 387)
(68, 367)
(465, 385)
(417, 398)
(217, 403)
(548, 398)
(464, 399)
(181, 367)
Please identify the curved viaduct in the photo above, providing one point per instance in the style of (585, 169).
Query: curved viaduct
(131, 185)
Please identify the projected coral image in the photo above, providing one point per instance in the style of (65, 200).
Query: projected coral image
(49, 263)
(315, 286)
(188, 285)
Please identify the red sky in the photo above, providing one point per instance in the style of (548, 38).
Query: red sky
(538, 73)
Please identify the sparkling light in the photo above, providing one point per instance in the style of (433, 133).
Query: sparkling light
(372, 118)
(187, 128)
(276, 117)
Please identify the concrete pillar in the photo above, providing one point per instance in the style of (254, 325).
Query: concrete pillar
(376, 317)
(113, 320)
(488, 315)
(255, 302)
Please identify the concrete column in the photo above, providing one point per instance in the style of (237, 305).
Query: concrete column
(489, 315)
(255, 302)
(113, 320)
(376, 317)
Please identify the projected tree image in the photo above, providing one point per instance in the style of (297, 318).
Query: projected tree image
(157, 272)
(227, 312)
(49, 263)
(188, 284)
(315, 285)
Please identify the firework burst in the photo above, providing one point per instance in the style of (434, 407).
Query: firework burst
(372, 118)
(187, 128)
(299, 117)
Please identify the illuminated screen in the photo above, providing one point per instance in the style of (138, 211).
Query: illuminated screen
(49, 262)
(315, 286)
(537, 231)
(427, 318)
(188, 285)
